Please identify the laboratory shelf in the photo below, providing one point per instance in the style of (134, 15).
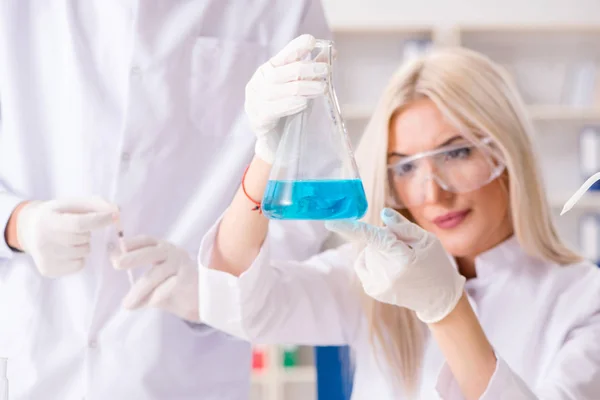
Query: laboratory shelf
(536, 112)
(564, 113)
(306, 374)
(409, 30)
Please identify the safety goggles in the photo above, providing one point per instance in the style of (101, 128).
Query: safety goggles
(457, 168)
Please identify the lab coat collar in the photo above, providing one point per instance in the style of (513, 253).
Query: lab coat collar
(507, 255)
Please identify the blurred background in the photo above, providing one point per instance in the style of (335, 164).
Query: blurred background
(552, 50)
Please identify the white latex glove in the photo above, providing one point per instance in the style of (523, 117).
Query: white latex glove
(57, 233)
(171, 281)
(282, 87)
(404, 265)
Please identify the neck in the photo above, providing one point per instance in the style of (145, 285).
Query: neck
(466, 267)
(466, 264)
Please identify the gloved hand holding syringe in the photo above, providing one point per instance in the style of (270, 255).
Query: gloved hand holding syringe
(57, 234)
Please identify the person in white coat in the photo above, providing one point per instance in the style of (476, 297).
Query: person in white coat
(463, 288)
(130, 110)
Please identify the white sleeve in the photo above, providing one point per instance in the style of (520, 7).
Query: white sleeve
(504, 384)
(8, 202)
(575, 374)
(296, 240)
(313, 302)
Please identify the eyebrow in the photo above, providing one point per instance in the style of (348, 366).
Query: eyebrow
(446, 143)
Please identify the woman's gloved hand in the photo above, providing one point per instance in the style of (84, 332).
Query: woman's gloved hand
(282, 87)
(404, 265)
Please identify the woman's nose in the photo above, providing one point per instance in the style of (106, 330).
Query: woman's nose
(433, 192)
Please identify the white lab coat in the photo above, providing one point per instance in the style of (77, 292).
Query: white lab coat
(140, 102)
(543, 320)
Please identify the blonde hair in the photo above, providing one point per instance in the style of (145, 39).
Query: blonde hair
(475, 95)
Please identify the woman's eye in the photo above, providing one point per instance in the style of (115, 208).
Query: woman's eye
(404, 169)
(461, 153)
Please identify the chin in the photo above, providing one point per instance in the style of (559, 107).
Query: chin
(458, 248)
(461, 241)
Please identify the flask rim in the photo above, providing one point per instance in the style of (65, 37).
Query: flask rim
(324, 43)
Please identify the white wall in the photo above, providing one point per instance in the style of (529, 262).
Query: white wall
(447, 12)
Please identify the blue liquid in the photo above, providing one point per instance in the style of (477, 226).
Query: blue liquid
(315, 199)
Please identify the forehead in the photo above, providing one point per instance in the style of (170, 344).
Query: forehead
(419, 127)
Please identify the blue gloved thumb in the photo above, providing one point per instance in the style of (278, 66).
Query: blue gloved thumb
(349, 230)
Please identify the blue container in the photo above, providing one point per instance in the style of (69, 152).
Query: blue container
(315, 199)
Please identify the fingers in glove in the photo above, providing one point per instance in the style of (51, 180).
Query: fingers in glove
(408, 232)
(71, 239)
(82, 215)
(365, 275)
(294, 50)
(73, 252)
(160, 296)
(139, 294)
(357, 231)
(58, 251)
(283, 108)
(144, 252)
(297, 71)
(349, 230)
(139, 242)
(298, 89)
(83, 206)
(81, 221)
(56, 268)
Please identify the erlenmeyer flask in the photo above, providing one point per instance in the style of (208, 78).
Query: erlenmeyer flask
(314, 175)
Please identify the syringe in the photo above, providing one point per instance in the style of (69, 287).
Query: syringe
(117, 222)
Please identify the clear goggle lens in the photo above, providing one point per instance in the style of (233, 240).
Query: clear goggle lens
(458, 168)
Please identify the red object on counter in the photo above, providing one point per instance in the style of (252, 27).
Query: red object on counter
(258, 358)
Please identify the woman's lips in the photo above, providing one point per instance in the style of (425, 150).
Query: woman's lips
(451, 220)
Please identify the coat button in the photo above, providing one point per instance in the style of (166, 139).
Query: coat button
(136, 71)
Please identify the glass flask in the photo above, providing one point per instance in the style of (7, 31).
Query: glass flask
(314, 175)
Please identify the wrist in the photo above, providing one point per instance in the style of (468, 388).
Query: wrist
(447, 301)
(10, 231)
(256, 178)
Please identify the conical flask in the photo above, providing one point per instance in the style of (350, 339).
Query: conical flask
(314, 175)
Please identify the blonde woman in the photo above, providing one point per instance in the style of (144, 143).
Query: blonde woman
(468, 293)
